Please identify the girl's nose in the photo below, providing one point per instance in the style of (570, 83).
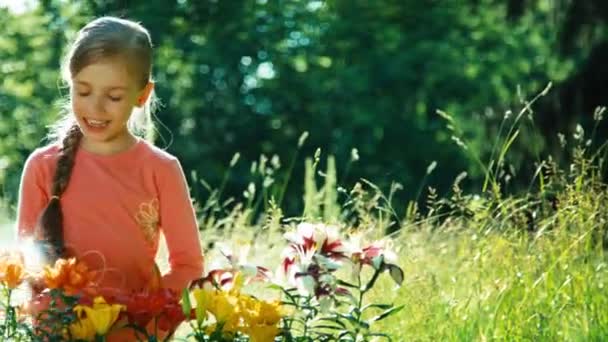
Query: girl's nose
(98, 105)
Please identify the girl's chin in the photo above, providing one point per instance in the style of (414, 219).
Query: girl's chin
(106, 138)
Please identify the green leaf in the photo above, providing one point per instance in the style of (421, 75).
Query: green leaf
(506, 146)
(396, 273)
(289, 304)
(334, 319)
(387, 313)
(354, 320)
(333, 327)
(343, 335)
(285, 291)
(186, 305)
(377, 306)
(378, 335)
(347, 284)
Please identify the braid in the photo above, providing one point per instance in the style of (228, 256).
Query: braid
(66, 160)
(51, 220)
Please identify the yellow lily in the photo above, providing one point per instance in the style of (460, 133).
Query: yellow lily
(203, 299)
(82, 330)
(101, 315)
(257, 312)
(262, 333)
(223, 306)
(237, 283)
(250, 309)
(270, 312)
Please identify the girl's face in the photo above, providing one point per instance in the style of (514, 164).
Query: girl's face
(103, 96)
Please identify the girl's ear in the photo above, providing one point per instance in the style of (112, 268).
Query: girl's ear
(145, 94)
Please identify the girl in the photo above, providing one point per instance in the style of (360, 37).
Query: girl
(100, 192)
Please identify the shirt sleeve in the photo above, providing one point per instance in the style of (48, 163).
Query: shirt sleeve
(33, 197)
(179, 226)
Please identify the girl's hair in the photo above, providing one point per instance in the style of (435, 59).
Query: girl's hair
(103, 38)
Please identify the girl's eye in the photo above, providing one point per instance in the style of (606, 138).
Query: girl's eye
(115, 99)
(83, 94)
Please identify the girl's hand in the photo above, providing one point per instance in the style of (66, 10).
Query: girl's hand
(37, 285)
(39, 303)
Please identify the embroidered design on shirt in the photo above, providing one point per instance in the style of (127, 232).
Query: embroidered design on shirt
(147, 217)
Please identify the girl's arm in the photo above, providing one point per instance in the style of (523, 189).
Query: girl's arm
(33, 196)
(178, 222)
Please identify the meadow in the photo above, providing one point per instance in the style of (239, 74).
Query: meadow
(485, 265)
(478, 266)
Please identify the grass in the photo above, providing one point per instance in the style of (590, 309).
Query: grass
(528, 267)
(488, 266)
(462, 284)
(466, 280)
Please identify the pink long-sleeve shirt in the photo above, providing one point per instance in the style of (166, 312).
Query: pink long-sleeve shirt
(114, 209)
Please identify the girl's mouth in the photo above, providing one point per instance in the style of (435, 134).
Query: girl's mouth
(96, 125)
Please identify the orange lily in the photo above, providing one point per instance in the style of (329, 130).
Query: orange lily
(68, 274)
(12, 270)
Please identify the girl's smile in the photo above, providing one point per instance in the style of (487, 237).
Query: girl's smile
(96, 125)
(103, 97)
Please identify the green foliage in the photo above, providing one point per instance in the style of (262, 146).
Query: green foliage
(250, 76)
(311, 196)
(482, 265)
(331, 208)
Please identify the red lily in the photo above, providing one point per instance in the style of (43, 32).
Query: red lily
(142, 307)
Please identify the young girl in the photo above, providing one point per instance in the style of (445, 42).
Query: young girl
(100, 192)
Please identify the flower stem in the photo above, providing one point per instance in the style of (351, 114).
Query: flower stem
(372, 281)
(10, 314)
(359, 304)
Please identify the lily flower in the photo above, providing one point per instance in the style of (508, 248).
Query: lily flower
(12, 270)
(82, 329)
(101, 314)
(69, 275)
(142, 307)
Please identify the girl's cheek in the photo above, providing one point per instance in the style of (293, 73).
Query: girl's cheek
(82, 110)
(84, 106)
(76, 107)
(124, 107)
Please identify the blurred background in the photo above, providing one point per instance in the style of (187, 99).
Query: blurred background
(364, 79)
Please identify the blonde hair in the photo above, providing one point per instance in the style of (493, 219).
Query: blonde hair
(105, 37)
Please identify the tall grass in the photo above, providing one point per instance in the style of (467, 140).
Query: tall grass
(489, 277)
(482, 266)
